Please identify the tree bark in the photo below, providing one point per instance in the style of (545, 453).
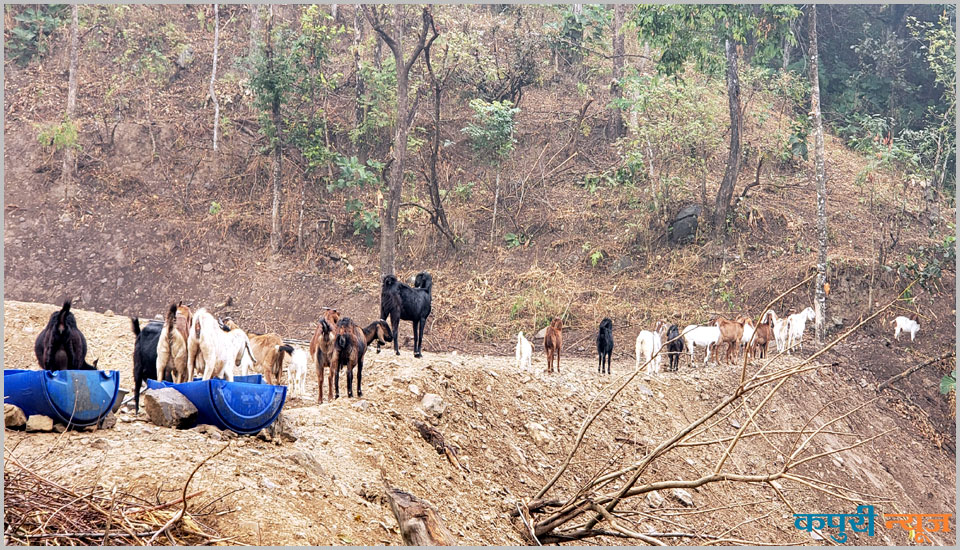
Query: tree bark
(388, 225)
(68, 171)
(213, 75)
(725, 193)
(820, 303)
(275, 239)
(439, 215)
(615, 128)
(254, 30)
(360, 111)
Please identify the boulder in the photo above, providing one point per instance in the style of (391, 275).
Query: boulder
(108, 422)
(13, 416)
(168, 407)
(683, 228)
(433, 404)
(39, 423)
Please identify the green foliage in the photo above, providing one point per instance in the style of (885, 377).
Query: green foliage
(949, 382)
(796, 146)
(568, 35)
(215, 208)
(378, 102)
(353, 173)
(514, 240)
(491, 133)
(365, 222)
(464, 191)
(59, 136)
(927, 263)
(34, 26)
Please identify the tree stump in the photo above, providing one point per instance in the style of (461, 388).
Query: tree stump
(420, 524)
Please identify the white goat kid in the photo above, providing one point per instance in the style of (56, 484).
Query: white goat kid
(649, 343)
(796, 324)
(295, 367)
(217, 351)
(703, 336)
(905, 324)
(524, 352)
(779, 330)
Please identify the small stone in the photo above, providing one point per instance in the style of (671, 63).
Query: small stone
(654, 500)
(13, 416)
(361, 405)
(101, 444)
(645, 390)
(734, 423)
(39, 423)
(433, 404)
(414, 389)
(108, 422)
(538, 433)
(207, 267)
(59, 428)
(264, 435)
(108, 313)
(683, 496)
(268, 484)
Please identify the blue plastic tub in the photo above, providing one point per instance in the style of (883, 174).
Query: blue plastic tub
(244, 406)
(76, 397)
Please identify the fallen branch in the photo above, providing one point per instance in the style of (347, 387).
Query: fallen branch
(914, 369)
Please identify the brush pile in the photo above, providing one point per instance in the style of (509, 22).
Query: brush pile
(38, 511)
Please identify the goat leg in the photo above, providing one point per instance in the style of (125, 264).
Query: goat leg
(359, 377)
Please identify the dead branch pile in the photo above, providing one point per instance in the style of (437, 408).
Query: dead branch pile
(39, 511)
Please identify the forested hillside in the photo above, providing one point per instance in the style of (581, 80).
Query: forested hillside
(636, 163)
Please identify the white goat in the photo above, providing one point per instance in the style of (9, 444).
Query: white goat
(649, 343)
(703, 336)
(524, 352)
(906, 324)
(217, 351)
(779, 330)
(796, 324)
(295, 367)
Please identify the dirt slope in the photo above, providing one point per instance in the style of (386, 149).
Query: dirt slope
(325, 488)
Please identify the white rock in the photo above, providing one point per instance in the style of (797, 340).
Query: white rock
(683, 496)
(433, 404)
(654, 500)
(414, 389)
(538, 433)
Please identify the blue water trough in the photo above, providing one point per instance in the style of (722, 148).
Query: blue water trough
(244, 406)
(74, 397)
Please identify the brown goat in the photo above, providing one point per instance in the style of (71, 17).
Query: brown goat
(172, 345)
(763, 336)
(349, 347)
(730, 332)
(379, 331)
(553, 342)
(321, 348)
(268, 350)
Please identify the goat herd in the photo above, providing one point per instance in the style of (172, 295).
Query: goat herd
(739, 333)
(190, 342)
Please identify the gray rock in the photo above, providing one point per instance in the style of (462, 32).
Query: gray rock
(108, 422)
(541, 334)
(207, 267)
(168, 407)
(101, 444)
(622, 264)
(185, 58)
(683, 228)
(361, 405)
(268, 484)
(308, 462)
(683, 496)
(654, 500)
(13, 416)
(433, 404)
(39, 423)
(645, 390)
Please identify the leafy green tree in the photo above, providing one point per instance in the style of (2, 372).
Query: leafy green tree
(491, 138)
(699, 33)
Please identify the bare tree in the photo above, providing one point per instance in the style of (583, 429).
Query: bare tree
(213, 74)
(725, 193)
(377, 16)
(360, 110)
(820, 304)
(437, 216)
(68, 172)
(615, 127)
(275, 229)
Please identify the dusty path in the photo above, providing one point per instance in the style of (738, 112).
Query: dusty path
(325, 488)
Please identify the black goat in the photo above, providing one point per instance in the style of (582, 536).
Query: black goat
(674, 347)
(605, 344)
(61, 345)
(145, 356)
(401, 302)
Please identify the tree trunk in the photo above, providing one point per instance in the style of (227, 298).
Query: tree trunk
(419, 523)
(820, 304)
(496, 200)
(615, 128)
(254, 31)
(68, 171)
(725, 193)
(275, 239)
(360, 111)
(213, 75)
(436, 201)
(388, 225)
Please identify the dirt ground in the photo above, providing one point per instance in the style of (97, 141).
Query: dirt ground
(326, 488)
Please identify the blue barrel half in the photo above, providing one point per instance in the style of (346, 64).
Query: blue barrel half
(76, 397)
(242, 407)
